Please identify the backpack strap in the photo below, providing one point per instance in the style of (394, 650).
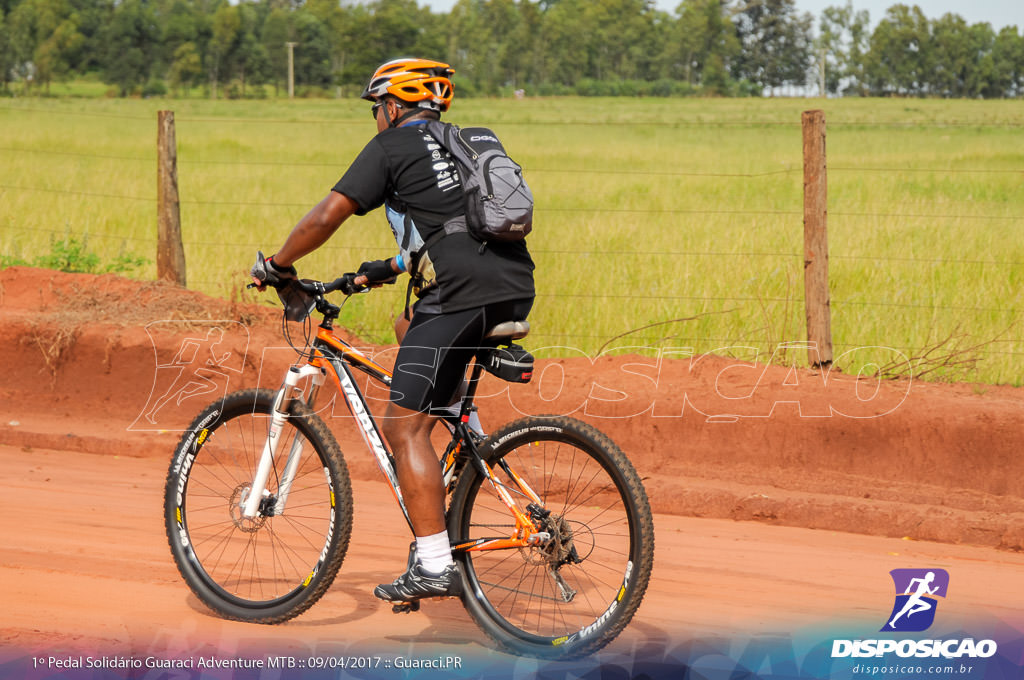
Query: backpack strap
(447, 135)
(452, 226)
(441, 132)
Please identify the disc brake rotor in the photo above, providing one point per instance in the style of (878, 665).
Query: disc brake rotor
(236, 507)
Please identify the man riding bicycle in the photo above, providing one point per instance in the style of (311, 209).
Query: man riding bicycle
(462, 289)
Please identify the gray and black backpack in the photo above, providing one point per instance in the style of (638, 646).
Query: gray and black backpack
(499, 204)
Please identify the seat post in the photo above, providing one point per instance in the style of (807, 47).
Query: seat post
(503, 333)
(474, 380)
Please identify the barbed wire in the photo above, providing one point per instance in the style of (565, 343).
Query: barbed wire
(91, 114)
(574, 209)
(926, 260)
(587, 171)
(950, 171)
(922, 305)
(917, 348)
(74, 192)
(78, 154)
(376, 247)
(699, 122)
(925, 216)
(666, 173)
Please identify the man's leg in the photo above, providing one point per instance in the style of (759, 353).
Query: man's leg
(431, 363)
(402, 322)
(402, 325)
(419, 474)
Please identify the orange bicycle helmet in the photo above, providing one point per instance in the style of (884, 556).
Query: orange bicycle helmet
(420, 82)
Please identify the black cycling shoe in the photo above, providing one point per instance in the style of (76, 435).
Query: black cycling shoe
(416, 584)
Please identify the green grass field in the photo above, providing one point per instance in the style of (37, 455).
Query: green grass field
(648, 211)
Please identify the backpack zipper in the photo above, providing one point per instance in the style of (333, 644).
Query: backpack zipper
(466, 145)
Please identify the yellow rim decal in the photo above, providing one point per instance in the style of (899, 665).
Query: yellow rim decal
(308, 578)
(559, 641)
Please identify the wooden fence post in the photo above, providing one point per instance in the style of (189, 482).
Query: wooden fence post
(170, 253)
(816, 294)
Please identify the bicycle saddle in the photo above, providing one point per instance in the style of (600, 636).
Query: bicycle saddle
(508, 331)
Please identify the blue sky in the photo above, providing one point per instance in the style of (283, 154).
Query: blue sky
(999, 13)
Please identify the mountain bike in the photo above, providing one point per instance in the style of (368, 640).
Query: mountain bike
(548, 520)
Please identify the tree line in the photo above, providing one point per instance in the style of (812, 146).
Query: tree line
(587, 47)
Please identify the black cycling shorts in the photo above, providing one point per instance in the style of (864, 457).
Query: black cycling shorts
(437, 348)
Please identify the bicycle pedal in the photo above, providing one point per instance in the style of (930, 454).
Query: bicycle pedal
(406, 607)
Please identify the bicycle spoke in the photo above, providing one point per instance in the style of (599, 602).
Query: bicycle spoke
(560, 586)
(262, 557)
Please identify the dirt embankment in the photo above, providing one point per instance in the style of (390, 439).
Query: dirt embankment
(113, 366)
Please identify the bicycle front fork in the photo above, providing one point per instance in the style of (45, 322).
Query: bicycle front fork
(279, 415)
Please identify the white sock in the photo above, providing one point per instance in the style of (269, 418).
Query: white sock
(434, 552)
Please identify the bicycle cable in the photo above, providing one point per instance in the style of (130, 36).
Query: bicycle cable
(305, 351)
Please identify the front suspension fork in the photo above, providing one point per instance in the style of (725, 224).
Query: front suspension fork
(278, 416)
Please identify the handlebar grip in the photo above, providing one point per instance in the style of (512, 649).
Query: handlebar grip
(345, 283)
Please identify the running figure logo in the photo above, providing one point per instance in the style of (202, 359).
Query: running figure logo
(916, 592)
(204, 363)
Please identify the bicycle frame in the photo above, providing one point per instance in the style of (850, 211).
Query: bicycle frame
(258, 503)
(333, 359)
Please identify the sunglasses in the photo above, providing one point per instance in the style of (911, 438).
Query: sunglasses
(374, 108)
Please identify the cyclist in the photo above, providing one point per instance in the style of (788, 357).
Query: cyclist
(463, 289)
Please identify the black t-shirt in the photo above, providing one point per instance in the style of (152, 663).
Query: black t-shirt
(405, 170)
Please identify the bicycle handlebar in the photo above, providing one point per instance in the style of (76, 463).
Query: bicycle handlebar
(300, 297)
(345, 283)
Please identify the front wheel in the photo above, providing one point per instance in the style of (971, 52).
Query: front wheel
(573, 593)
(274, 566)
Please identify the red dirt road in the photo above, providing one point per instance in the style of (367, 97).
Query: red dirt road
(86, 567)
(835, 481)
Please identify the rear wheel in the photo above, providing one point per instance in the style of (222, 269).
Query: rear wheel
(574, 592)
(274, 566)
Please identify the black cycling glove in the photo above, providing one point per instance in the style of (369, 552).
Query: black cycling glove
(271, 274)
(378, 271)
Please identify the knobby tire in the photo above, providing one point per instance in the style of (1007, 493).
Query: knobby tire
(575, 594)
(274, 567)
